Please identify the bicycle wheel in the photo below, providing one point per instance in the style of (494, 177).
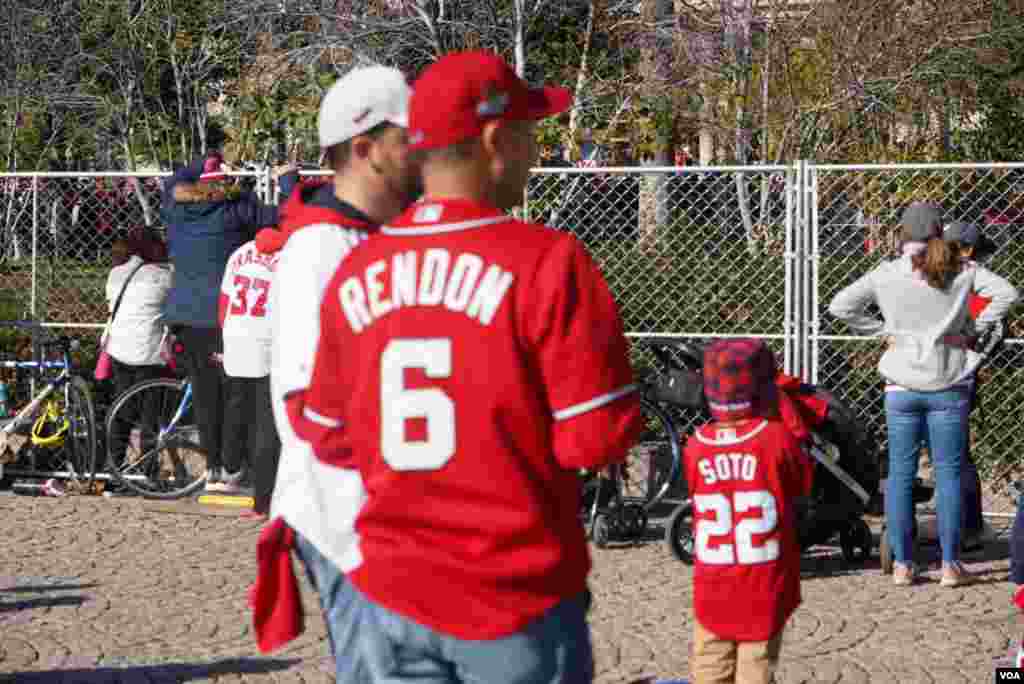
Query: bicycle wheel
(152, 441)
(654, 464)
(81, 441)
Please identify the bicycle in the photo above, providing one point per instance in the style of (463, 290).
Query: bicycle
(166, 460)
(59, 423)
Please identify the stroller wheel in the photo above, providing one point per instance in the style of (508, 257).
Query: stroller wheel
(679, 533)
(634, 518)
(602, 531)
(856, 541)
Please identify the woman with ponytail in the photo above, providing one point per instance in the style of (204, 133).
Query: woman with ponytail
(928, 368)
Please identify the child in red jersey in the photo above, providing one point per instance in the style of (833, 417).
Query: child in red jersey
(744, 471)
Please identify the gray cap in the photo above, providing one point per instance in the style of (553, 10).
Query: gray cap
(964, 233)
(921, 221)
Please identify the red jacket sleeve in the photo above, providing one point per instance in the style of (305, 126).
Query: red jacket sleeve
(690, 456)
(976, 304)
(583, 358)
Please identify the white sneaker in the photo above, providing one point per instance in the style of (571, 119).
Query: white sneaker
(213, 480)
(955, 575)
(904, 575)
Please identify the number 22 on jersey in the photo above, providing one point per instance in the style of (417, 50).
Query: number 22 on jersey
(744, 551)
(250, 296)
(399, 404)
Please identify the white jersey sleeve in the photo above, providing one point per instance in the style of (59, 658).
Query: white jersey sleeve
(318, 501)
(307, 264)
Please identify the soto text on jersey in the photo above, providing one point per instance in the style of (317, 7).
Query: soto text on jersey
(725, 467)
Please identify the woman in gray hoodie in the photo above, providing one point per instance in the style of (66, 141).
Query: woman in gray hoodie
(928, 368)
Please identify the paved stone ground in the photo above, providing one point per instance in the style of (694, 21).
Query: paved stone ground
(118, 591)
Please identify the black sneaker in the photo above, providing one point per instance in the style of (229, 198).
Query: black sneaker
(975, 540)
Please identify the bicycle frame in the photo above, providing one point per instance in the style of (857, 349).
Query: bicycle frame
(186, 401)
(26, 414)
(52, 386)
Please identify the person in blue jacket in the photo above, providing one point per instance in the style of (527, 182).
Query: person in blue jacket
(206, 222)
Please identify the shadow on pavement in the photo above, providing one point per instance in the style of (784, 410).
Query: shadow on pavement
(824, 561)
(42, 602)
(153, 674)
(45, 587)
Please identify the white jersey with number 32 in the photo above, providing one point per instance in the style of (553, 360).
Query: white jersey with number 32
(245, 303)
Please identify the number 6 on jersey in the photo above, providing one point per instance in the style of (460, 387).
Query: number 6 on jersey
(399, 404)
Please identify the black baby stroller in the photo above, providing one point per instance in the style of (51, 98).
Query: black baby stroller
(846, 475)
(617, 504)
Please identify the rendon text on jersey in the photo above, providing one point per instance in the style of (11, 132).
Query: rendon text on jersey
(460, 288)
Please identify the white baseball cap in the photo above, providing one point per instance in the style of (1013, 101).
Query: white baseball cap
(360, 100)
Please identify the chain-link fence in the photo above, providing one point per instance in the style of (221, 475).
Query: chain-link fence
(855, 226)
(56, 234)
(691, 253)
(699, 253)
(56, 231)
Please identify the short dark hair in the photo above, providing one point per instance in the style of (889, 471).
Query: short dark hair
(459, 152)
(337, 156)
(121, 250)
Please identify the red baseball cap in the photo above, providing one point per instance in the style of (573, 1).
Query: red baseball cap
(458, 93)
(213, 169)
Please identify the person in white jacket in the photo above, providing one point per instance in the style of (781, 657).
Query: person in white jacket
(362, 131)
(134, 335)
(928, 368)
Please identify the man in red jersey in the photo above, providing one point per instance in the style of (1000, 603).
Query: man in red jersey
(744, 470)
(469, 365)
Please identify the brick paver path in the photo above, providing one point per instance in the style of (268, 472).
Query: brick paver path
(119, 590)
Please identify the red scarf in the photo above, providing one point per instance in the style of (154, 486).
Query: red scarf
(275, 601)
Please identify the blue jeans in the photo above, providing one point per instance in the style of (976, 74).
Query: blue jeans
(553, 649)
(339, 601)
(943, 417)
(970, 482)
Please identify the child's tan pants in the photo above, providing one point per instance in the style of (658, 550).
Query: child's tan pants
(717, 661)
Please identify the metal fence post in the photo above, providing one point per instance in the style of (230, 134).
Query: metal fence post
(813, 260)
(807, 296)
(789, 254)
(799, 217)
(35, 246)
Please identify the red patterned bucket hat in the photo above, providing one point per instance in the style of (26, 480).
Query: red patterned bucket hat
(739, 379)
